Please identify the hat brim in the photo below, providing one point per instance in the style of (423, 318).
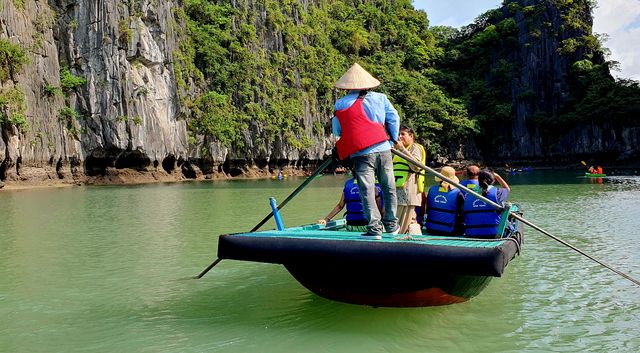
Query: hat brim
(357, 78)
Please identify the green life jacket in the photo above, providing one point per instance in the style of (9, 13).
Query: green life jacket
(401, 170)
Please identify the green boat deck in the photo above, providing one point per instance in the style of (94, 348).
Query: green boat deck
(319, 232)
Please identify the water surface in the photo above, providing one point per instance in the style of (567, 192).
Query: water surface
(102, 269)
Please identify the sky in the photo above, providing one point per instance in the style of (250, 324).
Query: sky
(618, 19)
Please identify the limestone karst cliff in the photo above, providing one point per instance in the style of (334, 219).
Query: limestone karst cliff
(534, 74)
(96, 88)
(126, 112)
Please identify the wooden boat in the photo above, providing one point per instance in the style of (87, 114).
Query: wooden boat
(396, 271)
(594, 175)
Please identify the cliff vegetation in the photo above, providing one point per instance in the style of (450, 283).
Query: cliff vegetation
(192, 88)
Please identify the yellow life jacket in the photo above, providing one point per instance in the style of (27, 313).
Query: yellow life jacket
(401, 170)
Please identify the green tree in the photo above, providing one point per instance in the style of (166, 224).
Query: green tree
(12, 59)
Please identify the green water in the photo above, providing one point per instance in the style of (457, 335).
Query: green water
(102, 269)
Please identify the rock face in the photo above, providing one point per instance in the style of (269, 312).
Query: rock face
(543, 86)
(128, 113)
(129, 104)
(45, 145)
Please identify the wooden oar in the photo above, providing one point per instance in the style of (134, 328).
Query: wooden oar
(514, 215)
(295, 192)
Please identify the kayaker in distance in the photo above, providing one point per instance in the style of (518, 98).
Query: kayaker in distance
(597, 170)
(362, 121)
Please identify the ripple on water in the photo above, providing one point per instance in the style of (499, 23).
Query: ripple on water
(97, 269)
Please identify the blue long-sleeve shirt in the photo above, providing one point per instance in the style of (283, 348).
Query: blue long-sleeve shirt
(379, 109)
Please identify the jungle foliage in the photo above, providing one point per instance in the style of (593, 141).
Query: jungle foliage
(273, 63)
(279, 73)
(481, 66)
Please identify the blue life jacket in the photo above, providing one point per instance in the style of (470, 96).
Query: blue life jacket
(480, 219)
(442, 209)
(355, 211)
(471, 184)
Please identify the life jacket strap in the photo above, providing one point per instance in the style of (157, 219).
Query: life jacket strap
(438, 222)
(442, 210)
(489, 210)
(482, 226)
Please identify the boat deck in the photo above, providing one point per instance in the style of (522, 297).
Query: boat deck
(318, 232)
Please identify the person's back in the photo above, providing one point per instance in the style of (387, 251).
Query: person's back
(362, 120)
(443, 206)
(481, 220)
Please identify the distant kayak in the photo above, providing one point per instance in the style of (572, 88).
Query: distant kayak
(592, 175)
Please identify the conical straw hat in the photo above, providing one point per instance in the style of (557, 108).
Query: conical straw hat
(357, 78)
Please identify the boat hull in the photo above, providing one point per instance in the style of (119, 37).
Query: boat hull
(387, 287)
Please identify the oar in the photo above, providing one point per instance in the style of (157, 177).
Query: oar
(514, 215)
(518, 217)
(584, 164)
(295, 192)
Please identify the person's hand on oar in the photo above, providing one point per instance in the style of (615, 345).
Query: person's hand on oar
(591, 169)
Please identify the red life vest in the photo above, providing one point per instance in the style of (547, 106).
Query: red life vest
(358, 131)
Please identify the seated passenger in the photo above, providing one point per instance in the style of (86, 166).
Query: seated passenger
(444, 202)
(481, 220)
(472, 179)
(350, 197)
